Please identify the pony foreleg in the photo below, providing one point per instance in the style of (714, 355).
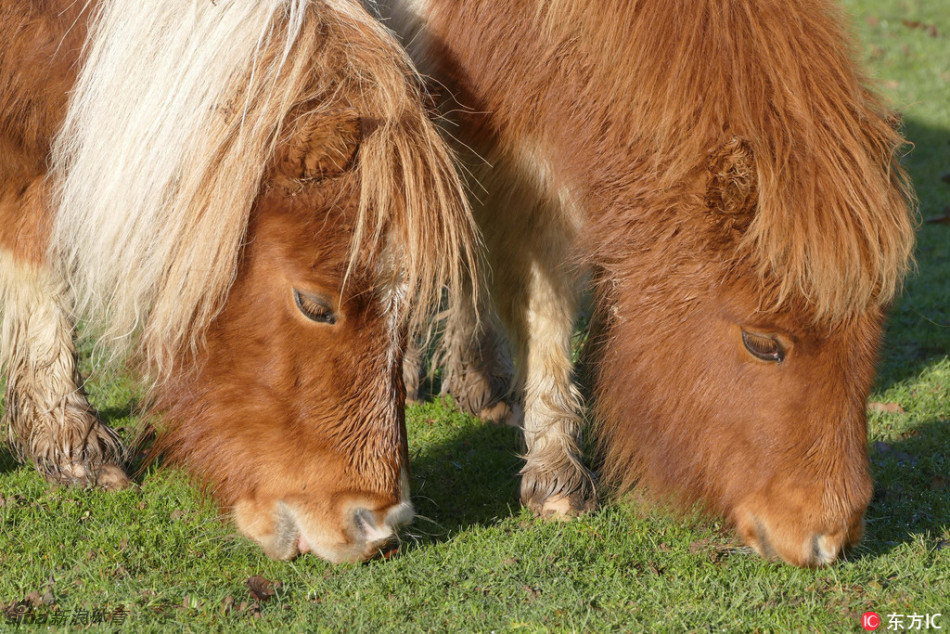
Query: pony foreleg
(476, 368)
(534, 291)
(48, 418)
(554, 480)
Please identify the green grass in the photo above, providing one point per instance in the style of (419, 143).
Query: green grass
(476, 561)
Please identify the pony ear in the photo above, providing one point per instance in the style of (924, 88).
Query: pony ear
(320, 145)
(732, 186)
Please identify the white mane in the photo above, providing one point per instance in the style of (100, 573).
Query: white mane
(160, 158)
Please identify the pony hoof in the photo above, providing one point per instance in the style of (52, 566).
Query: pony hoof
(111, 478)
(106, 477)
(563, 506)
(497, 414)
(479, 395)
(502, 413)
(566, 507)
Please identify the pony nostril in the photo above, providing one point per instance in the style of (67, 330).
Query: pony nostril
(765, 548)
(367, 530)
(795, 542)
(388, 548)
(363, 520)
(825, 550)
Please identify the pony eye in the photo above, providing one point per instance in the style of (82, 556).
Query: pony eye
(763, 347)
(314, 308)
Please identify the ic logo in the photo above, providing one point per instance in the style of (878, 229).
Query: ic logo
(870, 621)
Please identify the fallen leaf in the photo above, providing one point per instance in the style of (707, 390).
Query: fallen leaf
(262, 589)
(177, 514)
(938, 483)
(930, 29)
(253, 608)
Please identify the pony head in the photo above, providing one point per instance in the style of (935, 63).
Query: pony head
(763, 232)
(257, 206)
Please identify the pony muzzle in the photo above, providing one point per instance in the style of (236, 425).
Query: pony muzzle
(290, 530)
(796, 543)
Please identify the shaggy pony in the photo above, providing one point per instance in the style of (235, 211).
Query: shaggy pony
(723, 174)
(250, 200)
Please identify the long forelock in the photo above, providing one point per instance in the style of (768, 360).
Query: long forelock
(834, 224)
(174, 118)
(413, 206)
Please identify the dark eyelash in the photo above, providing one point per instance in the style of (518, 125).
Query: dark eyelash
(314, 308)
(763, 347)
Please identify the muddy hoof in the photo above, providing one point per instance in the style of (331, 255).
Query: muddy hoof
(106, 477)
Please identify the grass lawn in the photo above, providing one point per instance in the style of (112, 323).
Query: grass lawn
(475, 561)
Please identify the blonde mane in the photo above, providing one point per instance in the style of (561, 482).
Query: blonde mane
(176, 113)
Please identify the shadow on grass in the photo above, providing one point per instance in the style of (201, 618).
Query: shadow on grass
(111, 415)
(918, 330)
(8, 461)
(470, 478)
(912, 490)
(912, 475)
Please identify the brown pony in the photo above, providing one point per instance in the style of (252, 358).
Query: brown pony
(723, 174)
(249, 198)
